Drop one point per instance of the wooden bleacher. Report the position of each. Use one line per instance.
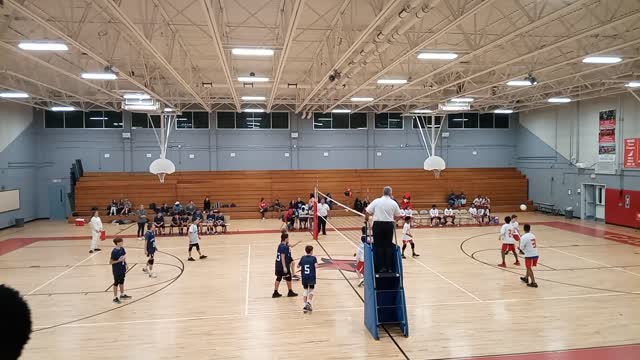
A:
(506, 187)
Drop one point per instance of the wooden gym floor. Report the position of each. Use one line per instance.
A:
(460, 304)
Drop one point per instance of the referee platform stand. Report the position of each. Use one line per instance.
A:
(385, 302)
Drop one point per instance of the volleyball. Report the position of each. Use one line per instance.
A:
(523, 207)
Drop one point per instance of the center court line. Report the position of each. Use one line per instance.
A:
(246, 294)
(596, 262)
(62, 273)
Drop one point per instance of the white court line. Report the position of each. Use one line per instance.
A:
(246, 294)
(595, 262)
(62, 273)
(447, 280)
(329, 310)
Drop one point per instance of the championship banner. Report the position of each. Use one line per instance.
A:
(607, 141)
(632, 153)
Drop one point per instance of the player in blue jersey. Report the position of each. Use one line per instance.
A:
(150, 249)
(307, 266)
(118, 263)
(283, 266)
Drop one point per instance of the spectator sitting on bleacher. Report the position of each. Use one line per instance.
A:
(289, 218)
(477, 201)
(487, 215)
(452, 199)
(190, 208)
(299, 204)
(211, 219)
(263, 207)
(126, 207)
(175, 223)
(462, 199)
(434, 213)
(177, 208)
(473, 212)
(329, 201)
(481, 214)
(303, 216)
(357, 205)
(448, 214)
(184, 223)
(221, 223)
(406, 202)
(164, 209)
(486, 202)
(159, 221)
(113, 208)
(197, 215)
(277, 206)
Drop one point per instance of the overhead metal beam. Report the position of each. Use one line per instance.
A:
(454, 23)
(35, 96)
(25, 103)
(124, 19)
(296, 13)
(57, 69)
(345, 56)
(14, 74)
(564, 42)
(47, 25)
(217, 40)
(498, 42)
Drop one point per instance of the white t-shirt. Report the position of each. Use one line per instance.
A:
(516, 228)
(406, 232)
(473, 211)
(528, 245)
(481, 212)
(323, 210)
(506, 232)
(384, 209)
(360, 254)
(434, 212)
(193, 234)
(96, 224)
(448, 212)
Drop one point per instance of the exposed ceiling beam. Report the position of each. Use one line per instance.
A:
(481, 4)
(296, 13)
(566, 41)
(35, 96)
(498, 42)
(133, 29)
(217, 40)
(14, 74)
(53, 29)
(345, 56)
(574, 100)
(57, 69)
(33, 104)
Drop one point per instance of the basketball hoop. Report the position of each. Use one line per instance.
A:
(430, 138)
(435, 164)
(163, 166)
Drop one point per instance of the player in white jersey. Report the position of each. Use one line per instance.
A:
(508, 242)
(516, 230)
(531, 255)
(407, 236)
(360, 256)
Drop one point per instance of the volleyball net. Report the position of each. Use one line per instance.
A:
(342, 219)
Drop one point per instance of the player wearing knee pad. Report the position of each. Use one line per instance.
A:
(308, 265)
(150, 248)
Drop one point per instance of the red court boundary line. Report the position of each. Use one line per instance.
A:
(617, 352)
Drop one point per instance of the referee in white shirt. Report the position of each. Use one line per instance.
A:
(385, 212)
(323, 212)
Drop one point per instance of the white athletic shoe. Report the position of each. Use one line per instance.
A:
(144, 270)
(153, 275)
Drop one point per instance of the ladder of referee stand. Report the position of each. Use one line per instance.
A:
(384, 302)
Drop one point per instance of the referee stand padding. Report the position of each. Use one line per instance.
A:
(384, 302)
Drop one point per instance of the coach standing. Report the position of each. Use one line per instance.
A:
(385, 212)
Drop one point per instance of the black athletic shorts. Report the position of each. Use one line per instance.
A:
(308, 286)
(196, 245)
(281, 275)
(118, 279)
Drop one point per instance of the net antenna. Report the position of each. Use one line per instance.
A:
(429, 138)
(163, 166)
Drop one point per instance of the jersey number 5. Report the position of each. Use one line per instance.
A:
(306, 269)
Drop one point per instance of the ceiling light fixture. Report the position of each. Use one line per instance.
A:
(437, 56)
(254, 110)
(340, 111)
(361, 99)
(63, 108)
(253, 98)
(252, 52)
(503, 111)
(462, 99)
(392, 81)
(14, 95)
(422, 111)
(140, 107)
(98, 118)
(250, 79)
(139, 96)
(43, 46)
(99, 76)
(633, 84)
(602, 60)
(519, 83)
(559, 100)
(454, 108)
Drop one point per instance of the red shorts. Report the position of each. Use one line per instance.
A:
(508, 247)
(531, 261)
(406, 241)
(360, 267)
